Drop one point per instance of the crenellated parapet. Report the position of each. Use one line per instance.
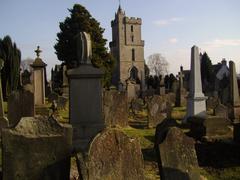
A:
(133, 20)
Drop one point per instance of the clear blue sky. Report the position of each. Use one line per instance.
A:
(169, 27)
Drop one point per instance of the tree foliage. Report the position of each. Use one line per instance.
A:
(157, 64)
(10, 74)
(206, 68)
(66, 47)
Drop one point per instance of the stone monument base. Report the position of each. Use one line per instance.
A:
(234, 114)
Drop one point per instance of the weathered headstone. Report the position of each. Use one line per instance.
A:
(131, 90)
(62, 102)
(234, 94)
(3, 120)
(212, 102)
(162, 87)
(85, 98)
(20, 104)
(181, 92)
(178, 159)
(196, 103)
(113, 156)
(39, 79)
(115, 106)
(221, 110)
(53, 97)
(157, 110)
(37, 148)
(65, 84)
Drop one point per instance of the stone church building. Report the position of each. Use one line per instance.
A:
(127, 48)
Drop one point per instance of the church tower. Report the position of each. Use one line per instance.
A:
(127, 48)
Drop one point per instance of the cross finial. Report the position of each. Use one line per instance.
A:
(38, 51)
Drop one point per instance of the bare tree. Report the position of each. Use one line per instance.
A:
(157, 64)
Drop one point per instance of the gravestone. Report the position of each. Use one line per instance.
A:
(162, 87)
(39, 79)
(178, 159)
(196, 102)
(37, 148)
(221, 110)
(85, 107)
(20, 104)
(26, 77)
(157, 110)
(113, 156)
(181, 92)
(62, 102)
(131, 90)
(53, 97)
(65, 84)
(212, 102)
(3, 120)
(115, 106)
(234, 94)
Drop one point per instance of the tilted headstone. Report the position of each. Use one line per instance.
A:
(113, 156)
(196, 102)
(39, 79)
(85, 107)
(37, 148)
(115, 107)
(178, 159)
(20, 104)
(3, 120)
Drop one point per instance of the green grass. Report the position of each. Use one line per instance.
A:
(232, 173)
(146, 136)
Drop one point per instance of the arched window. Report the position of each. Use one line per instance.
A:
(133, 54)
(134, 73)
(132, 38)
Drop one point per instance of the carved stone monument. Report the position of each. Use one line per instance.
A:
(39, 79)
(234, 94)
(85, 96)
(196, 103)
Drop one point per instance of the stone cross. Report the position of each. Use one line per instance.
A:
(180, 76)
(38, 51)
(196, 105)
(84, 48)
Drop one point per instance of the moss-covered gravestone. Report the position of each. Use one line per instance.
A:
(37, 148)
(113, 156)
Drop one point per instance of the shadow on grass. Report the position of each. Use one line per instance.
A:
(149, 154)
(218, 154)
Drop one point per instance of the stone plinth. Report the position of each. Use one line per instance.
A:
(37, 148)
(85, 104)
(196, 103)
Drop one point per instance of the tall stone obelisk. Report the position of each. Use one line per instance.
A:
(234, 94)
(196, 104)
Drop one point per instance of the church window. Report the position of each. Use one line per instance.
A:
(132, 38)
(131, 28)
(133, 54)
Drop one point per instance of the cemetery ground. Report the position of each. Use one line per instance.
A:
(217, 159)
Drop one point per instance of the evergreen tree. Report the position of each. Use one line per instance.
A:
(10, 74)
(206, 68)
(66, 47)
